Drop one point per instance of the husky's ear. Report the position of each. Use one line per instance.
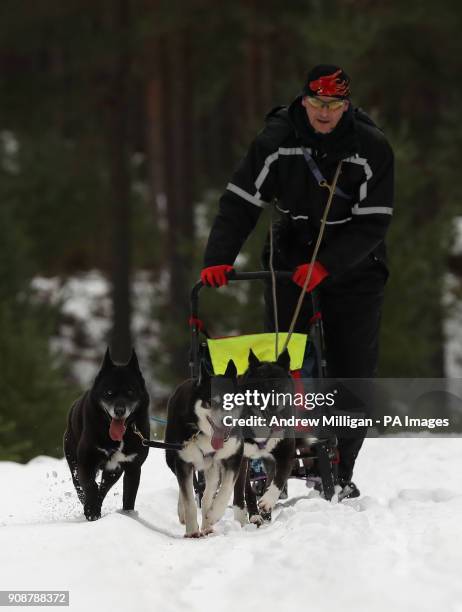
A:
(231, 370)
(134, 365)
(254, 362)
(284, 360)
(133, 362)
(107, 361)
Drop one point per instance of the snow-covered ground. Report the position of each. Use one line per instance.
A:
(396, 548)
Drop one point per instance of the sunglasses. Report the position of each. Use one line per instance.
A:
(330, 105)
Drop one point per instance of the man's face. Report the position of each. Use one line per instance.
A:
(322, 118)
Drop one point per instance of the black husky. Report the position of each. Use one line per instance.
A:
(101, 435)
(195, 419)
(269, 442)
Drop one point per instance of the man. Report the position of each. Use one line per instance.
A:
(298, 150)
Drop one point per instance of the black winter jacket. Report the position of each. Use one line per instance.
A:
(275, 170)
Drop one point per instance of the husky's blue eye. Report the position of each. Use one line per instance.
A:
(108, 392)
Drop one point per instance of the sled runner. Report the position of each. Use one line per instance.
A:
(316, 457)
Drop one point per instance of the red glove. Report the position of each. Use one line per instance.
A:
(215, 276)
(301, 272)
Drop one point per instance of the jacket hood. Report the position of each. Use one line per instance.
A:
(339, 143)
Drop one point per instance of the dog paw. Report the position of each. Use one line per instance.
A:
(207, 531)
(265, 505)
(131, 512)
(267, 502)
(92, 513)
(194, 534)
(207, 525)
(256, 519)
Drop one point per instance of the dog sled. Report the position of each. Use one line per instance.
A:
(316, 458)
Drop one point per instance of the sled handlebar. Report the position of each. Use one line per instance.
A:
(237, 276)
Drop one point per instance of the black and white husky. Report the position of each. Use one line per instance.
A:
(195, 419)
(267, 443)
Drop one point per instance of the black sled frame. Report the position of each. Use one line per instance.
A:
(315, 464)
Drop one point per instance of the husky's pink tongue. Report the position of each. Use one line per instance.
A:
(218, 435)
(217, 439)
(117, 429)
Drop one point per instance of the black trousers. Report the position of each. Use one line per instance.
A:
(351, 308)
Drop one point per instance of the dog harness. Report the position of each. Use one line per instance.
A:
(154, 443)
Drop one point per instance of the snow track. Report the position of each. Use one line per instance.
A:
(396, 548)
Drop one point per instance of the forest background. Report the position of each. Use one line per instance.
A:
(120, 124)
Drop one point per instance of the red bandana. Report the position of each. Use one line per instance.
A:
(330, 85)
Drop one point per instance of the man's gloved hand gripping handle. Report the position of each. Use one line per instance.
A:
(318, 274)
(216, 276)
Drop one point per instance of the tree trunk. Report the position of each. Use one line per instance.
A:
(121, 341)
(171, 161)
(155, 153)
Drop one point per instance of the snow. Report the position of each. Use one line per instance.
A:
(85, 318)
(453, 304)
(398, 547)
(457, 246)
(9, 150)
(453, 330)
